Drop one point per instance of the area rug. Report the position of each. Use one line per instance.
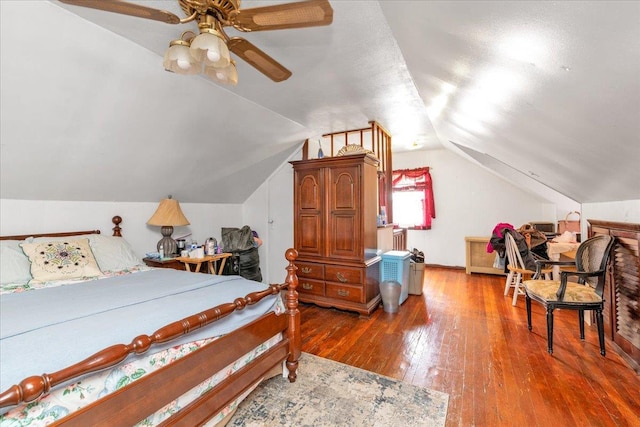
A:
(329, 393)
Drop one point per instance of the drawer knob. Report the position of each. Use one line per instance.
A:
(306, 270)
(307, 286)
(343, 293)
(341, 277)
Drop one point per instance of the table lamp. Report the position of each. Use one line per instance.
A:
(167, 216)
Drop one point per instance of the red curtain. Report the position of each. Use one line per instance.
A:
(417, 179)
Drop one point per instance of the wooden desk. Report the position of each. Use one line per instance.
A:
(209, 260)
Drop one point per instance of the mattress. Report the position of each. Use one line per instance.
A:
(66, 324)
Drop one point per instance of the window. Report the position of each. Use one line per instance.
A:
(413, 204)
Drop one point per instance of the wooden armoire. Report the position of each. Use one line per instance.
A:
(335, 231)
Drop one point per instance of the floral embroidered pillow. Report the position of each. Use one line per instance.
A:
(61, 260)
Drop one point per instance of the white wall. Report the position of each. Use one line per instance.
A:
(269, 211)
(27, 216)
(469, 201)
(624, 211)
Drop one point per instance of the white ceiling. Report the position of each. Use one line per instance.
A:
(551, 89)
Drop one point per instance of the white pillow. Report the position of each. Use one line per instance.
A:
(111, 253)
(14, 264)
(61, 259)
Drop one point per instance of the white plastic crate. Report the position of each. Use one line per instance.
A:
(395, 266)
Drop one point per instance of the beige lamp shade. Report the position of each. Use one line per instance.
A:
(167, 216)
(168, 213)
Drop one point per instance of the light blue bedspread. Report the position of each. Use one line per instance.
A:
(49, 329)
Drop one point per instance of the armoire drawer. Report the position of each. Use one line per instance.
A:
(344, 292)
(310, 286)
(341, 274)
(310, 270)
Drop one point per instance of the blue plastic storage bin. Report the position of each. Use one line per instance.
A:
(395, 266)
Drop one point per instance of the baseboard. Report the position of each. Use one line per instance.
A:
(450, 267)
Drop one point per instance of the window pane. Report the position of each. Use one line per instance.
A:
(408, 208)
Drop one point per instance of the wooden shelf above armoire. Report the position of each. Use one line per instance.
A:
(375, 139)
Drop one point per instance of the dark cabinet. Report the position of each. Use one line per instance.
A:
(335, 231)
(622, 288)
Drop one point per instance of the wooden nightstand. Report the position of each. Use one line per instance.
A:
(164, 263)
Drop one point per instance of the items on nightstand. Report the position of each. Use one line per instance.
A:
(211, 246)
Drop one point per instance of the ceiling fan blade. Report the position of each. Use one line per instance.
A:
(302, 14)
(258, 59)
(122, 7)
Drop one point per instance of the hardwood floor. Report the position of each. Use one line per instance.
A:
(462, 336)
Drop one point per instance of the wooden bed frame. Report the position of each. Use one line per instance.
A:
(143, 397)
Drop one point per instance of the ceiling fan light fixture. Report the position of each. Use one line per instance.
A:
(227, 75)
(178, 58)
(209, 47)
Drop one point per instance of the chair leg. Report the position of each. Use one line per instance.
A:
(581, 322)
(600, 322)
(528, 304)
(516, 288)
(550, 330)
(507, 284)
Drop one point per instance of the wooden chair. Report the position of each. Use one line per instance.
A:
(517, 269)
(586, 294)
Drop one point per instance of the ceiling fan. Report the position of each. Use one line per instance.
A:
(208, 52)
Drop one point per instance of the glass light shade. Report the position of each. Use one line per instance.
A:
(209, 47)
(227, 75)
(178, 59)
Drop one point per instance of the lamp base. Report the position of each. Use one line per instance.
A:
(169, 246)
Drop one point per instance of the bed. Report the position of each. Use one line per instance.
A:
(215, 337)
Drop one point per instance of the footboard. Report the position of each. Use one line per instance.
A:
(143, 397)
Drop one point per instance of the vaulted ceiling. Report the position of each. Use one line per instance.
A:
(550, 89)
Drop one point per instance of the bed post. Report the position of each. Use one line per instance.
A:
(116, 230)
(293, 331)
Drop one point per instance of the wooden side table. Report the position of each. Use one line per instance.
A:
(209, 260)
(164, 263)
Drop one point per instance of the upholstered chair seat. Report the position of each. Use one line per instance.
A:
(574, 293)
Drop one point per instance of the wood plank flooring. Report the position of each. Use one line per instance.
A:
(462, 336)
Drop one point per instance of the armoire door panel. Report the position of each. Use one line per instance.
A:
(310, 193)
(345, 239)
(344, 190)
(308, 236)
